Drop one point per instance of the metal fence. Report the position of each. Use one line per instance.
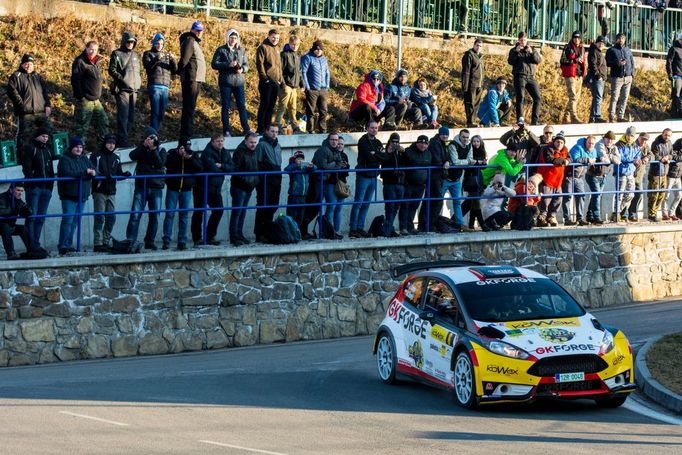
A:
(650, 26)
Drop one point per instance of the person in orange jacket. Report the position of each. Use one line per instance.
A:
(557, 155)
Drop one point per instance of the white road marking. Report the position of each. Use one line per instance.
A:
(240, 447)
(635, 405)
(83, 416)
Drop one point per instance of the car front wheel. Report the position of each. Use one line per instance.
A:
(386, 358)
(465, 385)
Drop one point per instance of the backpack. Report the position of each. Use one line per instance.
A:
(288, 231)
(445, 225)
(524, 217)
(125, 247)
(376, 229)
(326, 229)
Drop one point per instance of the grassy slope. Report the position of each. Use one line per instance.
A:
(56, 42)
(664, 360)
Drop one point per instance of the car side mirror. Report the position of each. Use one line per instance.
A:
(426, 315)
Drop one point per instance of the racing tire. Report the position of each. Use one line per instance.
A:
(464, 391)
(387, 359)
(610, 402)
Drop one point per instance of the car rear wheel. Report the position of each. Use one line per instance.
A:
(465, 383)
(386, 358)
(611, 402)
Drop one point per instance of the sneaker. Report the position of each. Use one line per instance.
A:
(413, 231)
(308, 236)
(674, 218)
(393, 234)
(244, 240)
(151, 246)
(653, 219)
(583, 223)
(353, 235)
(633, 219)
(338, 236)
(404, 232)
(182, 246)
(101, 249)
(166, 245)
(236, 242)
(552, 221)
(665, 217)
(213, 242)
(541, 222)
(597, 222)
(363, 233)
(570, 223)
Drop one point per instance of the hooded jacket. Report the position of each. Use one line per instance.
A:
(71, 165)
(487, 111)
(176, 164)
(552, 176)
(524, 140)
(414, 158)
(124, 66)
(86, 77)
(244, 161)
(458, 155)
(327, 159)
(628, 152)
(36, 162)
(315, 72)
(268, 62)
(149, 162)
(570, 66)
(107, 164)
(228, 76)
(368, 93)
(395, 91)
(579, 154)
(192, 64)
(673, 60)
(613, 57)
(473, 73)
(675, 169)
(299, 180)
(28, 93)
(661, 149)
(209, 160)
(269, 155)
(159, 65)
(596, 63)
(501, 161)
(606, 155)
(291, 67)
(524, 63)
(12, 206)
(419, 96)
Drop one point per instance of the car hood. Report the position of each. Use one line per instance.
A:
(549, 337)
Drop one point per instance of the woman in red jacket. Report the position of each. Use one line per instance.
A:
(557, 155)
(573, 68)
(369, 103)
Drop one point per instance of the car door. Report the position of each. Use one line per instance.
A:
(408, 327)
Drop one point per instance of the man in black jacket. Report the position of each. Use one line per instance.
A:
(28, 92)
(524, 61)
(181, 161)
(192, 71)
(596, 75)
(673, 66)
(365, 181)
(11, 208)
(124, 69)
(393, 179)
(416, 155)
(438, 146)
(621, 65)
(36, 163)
(86, 81)
(291, 75)
(160, 67)
(269, 156)
(151, 160)
(473, 75)
(107, 163)
(242, 186)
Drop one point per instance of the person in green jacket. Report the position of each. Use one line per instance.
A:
(504, 161)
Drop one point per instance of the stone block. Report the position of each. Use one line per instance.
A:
(4, 357)
(216, 339)
(19, 359)
(85, 325)
(51, 281)
(193, 340)
(119, 282)
(203, 322)
(245, 335)
(201, 300)
(39, 330)
(58, 310)
(23, 277)
(153, 344)
(28, 312)
(96, 347)
(125, 346)
(346, 313)
(65, 354)
(271, 332)
(72, 342)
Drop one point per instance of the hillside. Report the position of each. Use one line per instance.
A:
(56, 42)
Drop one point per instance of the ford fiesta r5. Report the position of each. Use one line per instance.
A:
(496, 334)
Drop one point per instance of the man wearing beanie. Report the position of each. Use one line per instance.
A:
(315, 75)
(86, 81)
(36, 163)
(629, 157)
(124, 69)
(192, 71)
(438, 149)
(231, 63)
(73, 193)
(28, 92)
(397, 95)
(416, 180)
(160, 67)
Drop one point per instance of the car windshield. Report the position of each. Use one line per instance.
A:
(517, 299)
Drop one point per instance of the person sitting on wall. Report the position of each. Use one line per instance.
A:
(11, 208)
(496, 106)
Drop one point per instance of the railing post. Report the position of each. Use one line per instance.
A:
(543, 36)
(79, 211)
(384, 26)
(208, 9)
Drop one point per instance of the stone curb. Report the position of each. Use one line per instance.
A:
(651, 387)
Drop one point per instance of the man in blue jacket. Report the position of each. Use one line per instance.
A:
(496, 106)
(628, 159)
(583, 154)
(621, 68)
(315, 74)
(397, 94)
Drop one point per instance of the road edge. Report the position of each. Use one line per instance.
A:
(650, 387)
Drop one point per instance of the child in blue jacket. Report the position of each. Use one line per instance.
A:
(496, 106)
(299, 181)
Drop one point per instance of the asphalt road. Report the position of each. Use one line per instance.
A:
(314, 397)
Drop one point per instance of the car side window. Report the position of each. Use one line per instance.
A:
(413, 291)
(441, 299)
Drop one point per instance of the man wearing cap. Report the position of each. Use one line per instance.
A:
(231, 62)
(160, 66)
(124, 69)
(192, 71)
(646, 155)
(28, 92)
(524, 61)
(315, 75)
(397, 95)
(629, 157)
(13, 207)
(662, 150)
(86, 81)
(73, 192)
(473, 75)
(573, 68)
(596, 174)
(496, 106)
(416, 155)
(438, 148)
(36, 163)
(673, 67)
(622, 67)
(596, 76)
(555, 154)
(522, 137)
(269, 67)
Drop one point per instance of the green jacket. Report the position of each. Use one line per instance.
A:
(503, 163)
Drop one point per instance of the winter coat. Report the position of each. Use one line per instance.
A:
(420, 97)
(414, 158)
(86, 77)
(124, 66)
(269, 154)
(327, 159)
(521, 188)
(439, 155)
(487, 111)
(675, 169)
(108, 165)
(646, 155)
(192, 64)
(269, 63)
(473, 73)
(627, 153)
(579, 154)
(12, 206)
(299, 180)
(160, 67)
(36, 162)
(390, 166)
(501, 162)
(176, 164)
(315, 72)
(524, 63)
(458, 155)
(552, 176)
(524, 140)
(605, 155)
(613, 57)
(28, 93)
(71, 165)
(368, 148)
(245, 161)
(367, 93)
(149, 162)
(492, 205)
(660, 149)
(395, 91)
(570, 67)
(228, 75)
(596, 63)
(291, 67)
(210, 157)
(673, 61)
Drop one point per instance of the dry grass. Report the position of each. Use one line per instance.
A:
(56, 42)
(664, 360)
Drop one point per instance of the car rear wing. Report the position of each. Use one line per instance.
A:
(419, 266)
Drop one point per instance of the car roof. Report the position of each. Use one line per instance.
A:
(472, 274)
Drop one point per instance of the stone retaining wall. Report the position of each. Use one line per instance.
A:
(103, 306)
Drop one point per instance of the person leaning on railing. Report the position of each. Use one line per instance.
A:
(419, 154)
(430, 210)
(674, 184)
(645, 156)
(393, 180)
(269, 155)
(583, 153)
(629, 157)
(460, 154)
(596, 175)
(369, 146)
(662, 149)
(557, 155)
(327, 158)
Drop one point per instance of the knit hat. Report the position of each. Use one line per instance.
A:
(394, 137)
(75, 142)
(559, 137)
(40, 131)
(600, 39)
(610, 135)
(110, 139)
(299, 154)
(500, 80)
(444, 131)
(27, 58)
(575, 34)
(149, 131)
(401, 72)
(631, 131)
(198, 26)
(158, 37)
(422, 139)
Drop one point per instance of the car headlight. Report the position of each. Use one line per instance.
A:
(606, 343)
(505, 349)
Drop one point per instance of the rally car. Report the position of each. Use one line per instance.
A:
(496, 334)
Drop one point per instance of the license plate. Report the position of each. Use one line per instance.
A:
(569, 377)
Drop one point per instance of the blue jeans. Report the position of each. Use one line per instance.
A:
(239, 100)
(158, 100)
(365, 187)
(150, 197)
(38, 200)
(392, 192)
(173, 198)
(596, 185)
(597, 89)
(455, 189)
(429, 111)
(240, 198)
(573, 185)
(333, 211)
(69, 223)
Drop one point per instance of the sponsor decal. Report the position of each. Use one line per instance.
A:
(573, 322)
(618, 360)
(429, 364)
(439, 374)
(505, 281)
(489, 387)
(559, 348)
(556, 335)
(514, 333)
(442, 350)
(417, 354)
(502, 370)
(443, 335)
(407, 319)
